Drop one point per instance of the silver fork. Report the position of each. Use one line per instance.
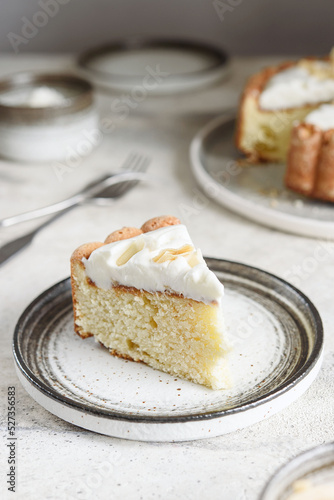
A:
(113, 186)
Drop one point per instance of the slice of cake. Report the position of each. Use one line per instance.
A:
(147, 295)
(310, 163)
(277, 97)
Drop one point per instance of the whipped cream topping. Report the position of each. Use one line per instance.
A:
(157, 261)
(38, 97)
(299, 85)
(323, 117)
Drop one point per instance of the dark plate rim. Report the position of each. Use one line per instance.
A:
(85, 58)
(111, 415)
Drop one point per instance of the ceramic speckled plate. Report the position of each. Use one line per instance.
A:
(254, 191)
(277, 338)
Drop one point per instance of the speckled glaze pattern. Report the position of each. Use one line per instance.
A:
(276, 335)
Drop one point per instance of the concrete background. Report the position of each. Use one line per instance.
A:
(244, 27)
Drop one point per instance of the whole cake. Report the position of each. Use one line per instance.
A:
(274, 99)
(310, 163)
(147, 295)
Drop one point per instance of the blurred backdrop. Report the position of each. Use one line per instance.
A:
(244, 27)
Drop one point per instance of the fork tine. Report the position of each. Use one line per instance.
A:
(131, 158)
(136, 163)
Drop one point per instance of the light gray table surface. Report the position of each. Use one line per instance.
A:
(59, 461)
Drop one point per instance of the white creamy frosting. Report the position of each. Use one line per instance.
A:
(187, 274)
(295, 87)
(323, 117)
(38, 97)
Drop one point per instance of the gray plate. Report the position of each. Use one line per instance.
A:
(277, 338)
(128, 65)
(254, 191)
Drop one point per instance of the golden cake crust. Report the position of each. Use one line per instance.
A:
(83, 251)
(310, 164)
(113, 352)
(123, 234)
(324, 182)
(158, 222)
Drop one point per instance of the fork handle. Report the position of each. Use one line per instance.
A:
(54, 208)
(14, 246)
(40, 212)
(89, 191)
